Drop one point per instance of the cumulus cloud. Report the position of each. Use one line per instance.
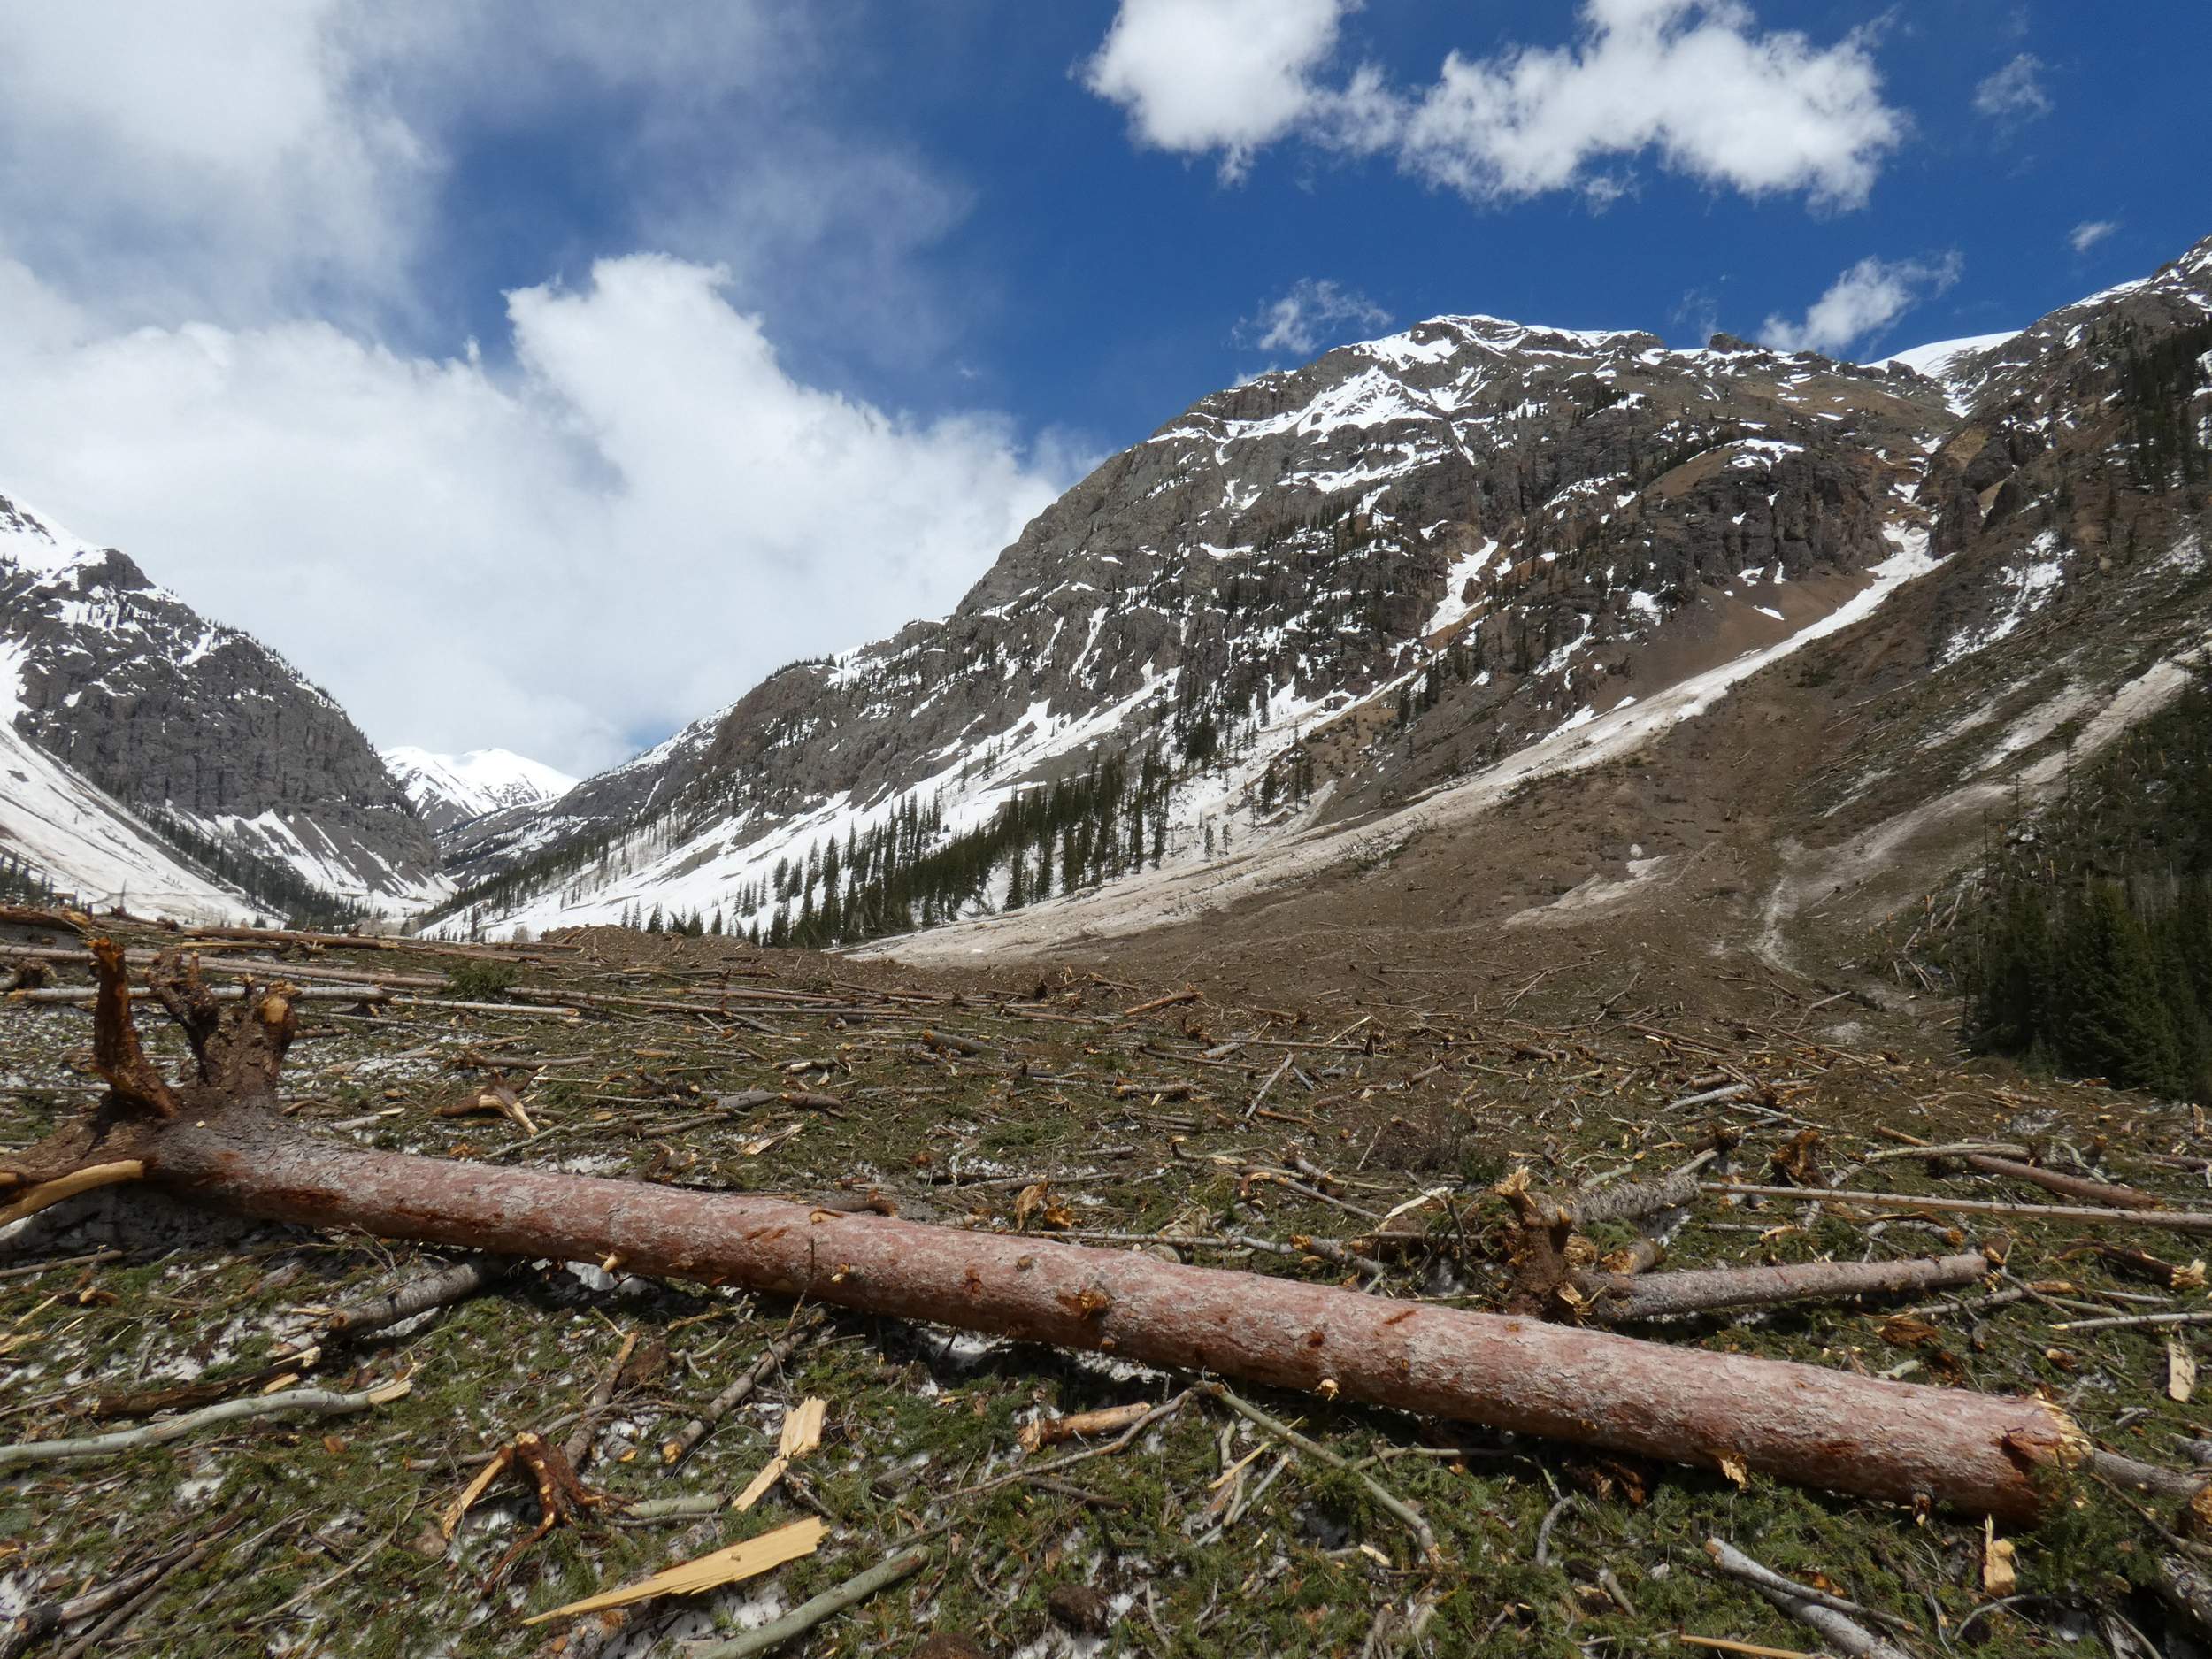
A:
(1697, 82)
(203, 156)
(1300, 319)
(2089, 233)
(230, 162)
(1761, 113)
(1201, 75)
(2015, 93)
(220, 252)
(1864, 300)
(624, 534)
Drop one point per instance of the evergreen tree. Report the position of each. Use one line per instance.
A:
(2115, 1024)
(2011, 1010)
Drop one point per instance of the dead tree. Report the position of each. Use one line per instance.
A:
(220, 1141)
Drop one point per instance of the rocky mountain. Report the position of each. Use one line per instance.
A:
(450, 790)
(1420, 569)
(200, 741)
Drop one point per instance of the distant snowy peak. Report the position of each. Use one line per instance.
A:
(31, 542)
(451, 789)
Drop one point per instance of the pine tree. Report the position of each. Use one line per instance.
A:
(2115, 1024)
(2011, 1010)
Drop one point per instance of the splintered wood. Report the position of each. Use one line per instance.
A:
(733, 1564)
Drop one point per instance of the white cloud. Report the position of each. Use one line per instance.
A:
(1691, 79)
(2089, 233)
(1302, 318)
(216, 220)
(626, 533)
(232, 161)
(1199, 76)
(2015, 93)
(1696, 81)
(197, 156)
(1865, 299)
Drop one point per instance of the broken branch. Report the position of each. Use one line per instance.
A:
(1655, 1295)
(828, 1605)
(2172, 1221)
(293, 1402)
(1807, 1606)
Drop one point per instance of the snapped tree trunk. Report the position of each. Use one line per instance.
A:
(220, 1142)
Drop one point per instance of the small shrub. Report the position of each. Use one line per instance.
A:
(482, 981)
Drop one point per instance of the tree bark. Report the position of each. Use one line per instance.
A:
(220, 1142)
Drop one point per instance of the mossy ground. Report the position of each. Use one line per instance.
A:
(334, 1550)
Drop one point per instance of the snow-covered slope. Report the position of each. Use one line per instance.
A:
(1951, 363)
(1415, 565)
(1936, 359)
(448, 790)
(1303, 598)
(211, 741)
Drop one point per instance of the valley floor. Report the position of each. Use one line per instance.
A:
(1298, 1093)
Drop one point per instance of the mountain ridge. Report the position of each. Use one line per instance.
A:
(450, 790)
(1438, 392)
(1390, 526)
(211, 743)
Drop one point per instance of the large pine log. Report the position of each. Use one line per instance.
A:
(221, 1143)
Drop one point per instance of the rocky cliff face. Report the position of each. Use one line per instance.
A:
(1314, 597)
(207, 735)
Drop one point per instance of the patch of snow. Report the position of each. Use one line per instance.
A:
(1452, 609)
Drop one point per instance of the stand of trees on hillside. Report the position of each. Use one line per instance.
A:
(283, 889)
(2092, 953)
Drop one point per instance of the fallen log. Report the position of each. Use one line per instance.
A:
(81, 996)
(2167, 1220)
(438, 1290)
(1710, 1290)
(221, 1141)
(2089, 1192)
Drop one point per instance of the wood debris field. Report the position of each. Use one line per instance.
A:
(225, 1434)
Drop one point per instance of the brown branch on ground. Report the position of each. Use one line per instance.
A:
(2090, 1191)
(1707, 1290)
(561, 1495)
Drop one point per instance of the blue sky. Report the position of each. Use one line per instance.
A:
(542, 375)
(1077, 278)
